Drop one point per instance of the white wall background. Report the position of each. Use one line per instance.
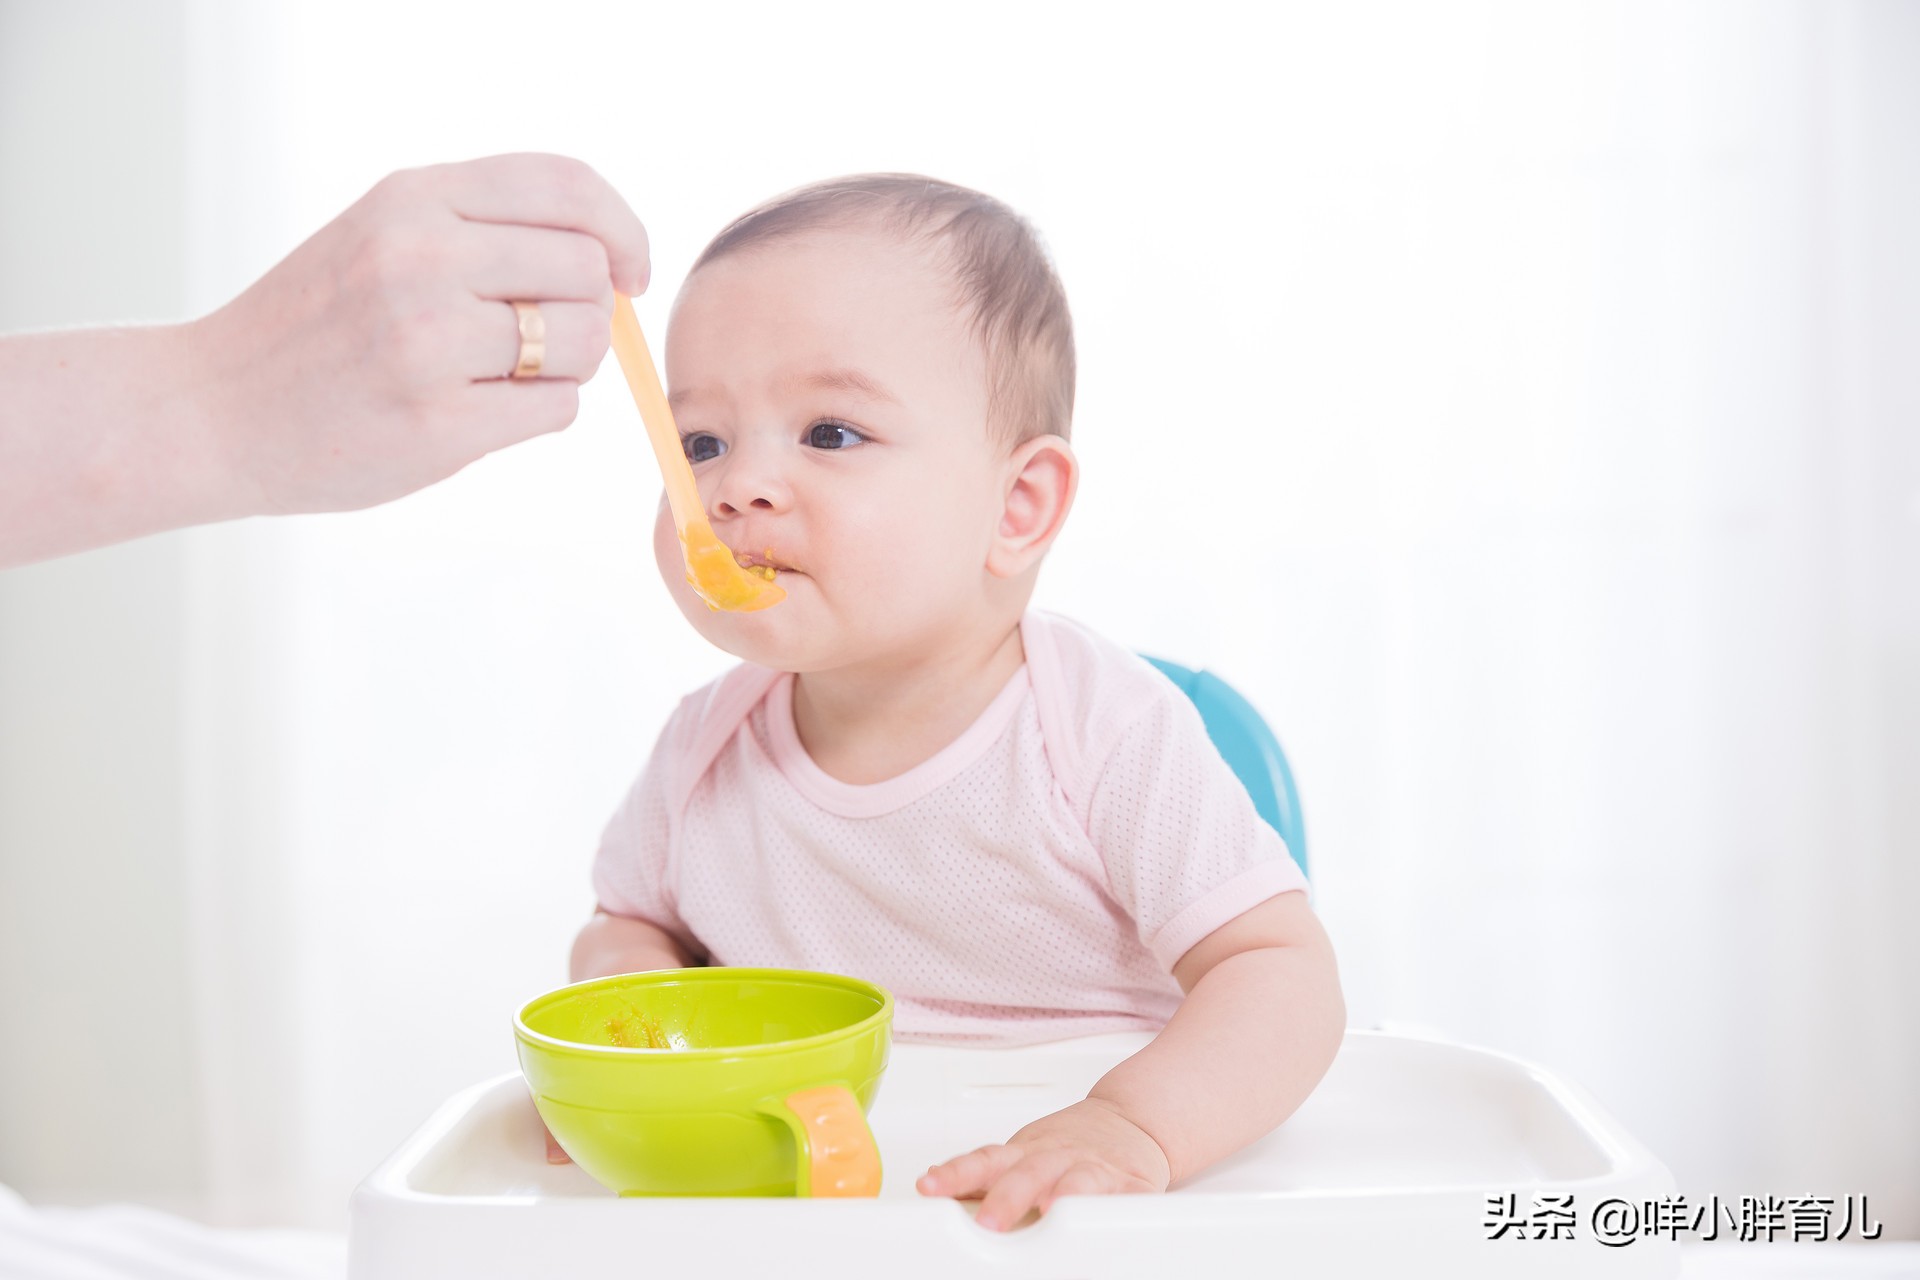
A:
(1550, 366)
(95, 1034)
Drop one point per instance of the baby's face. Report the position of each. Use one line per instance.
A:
(834, 407)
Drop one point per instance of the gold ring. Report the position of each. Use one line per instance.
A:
(533, 340)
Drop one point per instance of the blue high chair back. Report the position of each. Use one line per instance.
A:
(1250, 748)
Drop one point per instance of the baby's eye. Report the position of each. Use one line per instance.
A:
(702, 447)
(833, 435)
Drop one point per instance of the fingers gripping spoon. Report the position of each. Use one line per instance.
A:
(711, 569)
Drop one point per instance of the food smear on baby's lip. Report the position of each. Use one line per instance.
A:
(637, 1030)
(761, 568)
(719, 579)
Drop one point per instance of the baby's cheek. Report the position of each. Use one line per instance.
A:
(947, 556)
(904, 588)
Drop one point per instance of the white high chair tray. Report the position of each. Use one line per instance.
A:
(1386, 1170)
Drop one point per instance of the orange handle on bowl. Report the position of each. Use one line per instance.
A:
(838, 1156)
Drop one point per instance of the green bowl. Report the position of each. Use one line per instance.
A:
(712, 1082)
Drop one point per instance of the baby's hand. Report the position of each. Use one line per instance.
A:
(1087, 1149)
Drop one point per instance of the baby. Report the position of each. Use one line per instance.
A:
(1017, 827)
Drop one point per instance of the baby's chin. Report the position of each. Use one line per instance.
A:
(775, 637)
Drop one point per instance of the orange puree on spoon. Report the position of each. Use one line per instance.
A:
(712, 570)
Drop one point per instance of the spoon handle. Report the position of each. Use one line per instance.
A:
(630, 348)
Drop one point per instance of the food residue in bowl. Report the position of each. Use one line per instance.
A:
(636, 1029)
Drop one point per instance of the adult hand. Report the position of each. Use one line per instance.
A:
(370, 362)
(373, 360)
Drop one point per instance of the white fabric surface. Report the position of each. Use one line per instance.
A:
(131, 1242)
(1883, 1261)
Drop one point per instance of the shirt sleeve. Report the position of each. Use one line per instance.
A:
(1184, 848)
(632, 872)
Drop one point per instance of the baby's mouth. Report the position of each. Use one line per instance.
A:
(762, 563)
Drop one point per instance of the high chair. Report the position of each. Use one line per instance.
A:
(1250, 749)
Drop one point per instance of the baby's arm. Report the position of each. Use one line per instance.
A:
(621, 944)
(1260, 1025)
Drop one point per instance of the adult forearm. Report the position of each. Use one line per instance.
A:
(368, 363)
(620, 944)
(1249, 1043)
(106, 434)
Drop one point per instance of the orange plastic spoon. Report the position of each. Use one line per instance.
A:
(711, 569)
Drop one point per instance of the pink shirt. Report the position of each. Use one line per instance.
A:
(1036, 879)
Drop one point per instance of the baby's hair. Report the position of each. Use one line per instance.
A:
(1016, 303)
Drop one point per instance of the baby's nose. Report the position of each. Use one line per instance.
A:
(749, 485)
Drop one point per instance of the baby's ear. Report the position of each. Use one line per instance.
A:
(1041, 477)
